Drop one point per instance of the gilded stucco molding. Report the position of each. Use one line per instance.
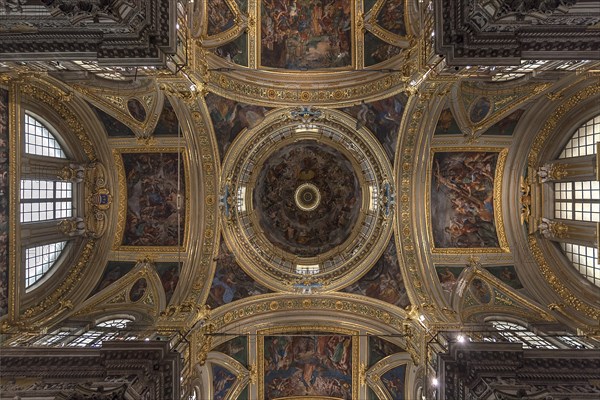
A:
(396, 320)
(403, 171)
(569, 297)
(273, 266)
(122, 199)
(310, 329)
(497, 193)
(57, 302)
(534, 160)
(58, 100)
(116, 297)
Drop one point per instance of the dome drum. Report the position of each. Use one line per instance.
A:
(309, 200)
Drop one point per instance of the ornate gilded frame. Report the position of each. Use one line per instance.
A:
(308, 330)
(498, 218)
(122, 206)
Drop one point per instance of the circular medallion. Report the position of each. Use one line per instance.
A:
(307, 198)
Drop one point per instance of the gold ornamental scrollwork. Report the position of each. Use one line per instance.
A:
(272, 265)
(547, 131)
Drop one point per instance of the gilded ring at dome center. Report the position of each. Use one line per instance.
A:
(307, 197)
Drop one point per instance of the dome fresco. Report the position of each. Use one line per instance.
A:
(301, 229)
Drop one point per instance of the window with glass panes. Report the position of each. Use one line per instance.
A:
(42, 200)
(39, 260)
(519, 334)
(577, 200)
(584, 259)
(39, 140)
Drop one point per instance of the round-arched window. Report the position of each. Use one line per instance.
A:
(44, 198)
(579, 199)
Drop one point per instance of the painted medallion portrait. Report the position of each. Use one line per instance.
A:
(306, 34)
(462, 199)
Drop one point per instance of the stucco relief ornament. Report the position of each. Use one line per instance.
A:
(551, 172)
(553, 229)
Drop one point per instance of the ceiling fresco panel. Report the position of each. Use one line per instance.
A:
(236, 51)
(394, 382)
(220, 16)
(306, 34)
(223, 381)
(391, 17)
(236, 348)
(462, 203)
(380, 348)
(168, 123)
(168, 272)
(152, 182)
(113, 271)
(377, 51)
(446, 124)
(507, 125)
(308, 365)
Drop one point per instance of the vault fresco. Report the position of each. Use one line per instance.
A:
(136, 109)
(376, 50)
(507, 274)
(229, 118)
(384, 281)
(235, 51)
(506, 125)
(480, 109)
(168, 272)
(230, 282)
(462, 200)
(383, 118)
(480, 291)
(113, 126)
(446, 124)
(308, 365)
(152, 199)
(4, 202)
(391, 17)
(223, 380)
(294, 229)
(394, 381)
(236, 348)
(167, 124)
(380, 348)
(448, 276)
(138, 290)
(220, 16)
(113, 271)
(306, 34)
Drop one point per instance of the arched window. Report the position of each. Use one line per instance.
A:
(39, 260)
(39, 140)
(578, 199)
(44, 198)
(106, 330)
(518, 334)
